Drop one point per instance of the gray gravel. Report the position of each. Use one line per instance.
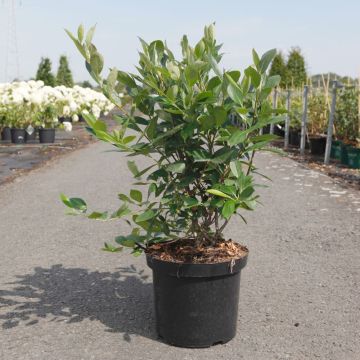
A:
(62, 298)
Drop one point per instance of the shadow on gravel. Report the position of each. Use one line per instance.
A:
(122, 300)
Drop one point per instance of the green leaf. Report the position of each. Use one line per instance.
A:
(191, 75)
(133, 168)
(228, 209)
(188, 130)
(213, 83)
(130, 240)
(112, 249)
(190, 202)
(81, 33)
(237, 137)
(218, 193)
(236, 169)
(272, 81)
(99, 125)
(136, 195)
(98, 215)
(214, 66)
(254, 75)
(220, 115)
(266, 59)
(256, 58)
(177, 167)
(90, 35)
(147, 215)
(77, 43)
(74, 203)
(172, 92)
(122, 211)
(96, 62)
(234, 90)
(235, 75)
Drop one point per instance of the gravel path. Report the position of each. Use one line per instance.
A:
(62, 298)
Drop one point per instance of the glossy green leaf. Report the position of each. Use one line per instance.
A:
(136, 195)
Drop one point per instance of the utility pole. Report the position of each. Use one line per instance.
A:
(12, 66)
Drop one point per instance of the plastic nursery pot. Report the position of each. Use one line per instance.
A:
(279, 130)
(317, 145)
(196, 305)
(30, 137)
(353, 157)
(47, 135)
(6, 134)
(335, 152)
(17, 136)
(294, 137)
(344, 154)
(65, 119)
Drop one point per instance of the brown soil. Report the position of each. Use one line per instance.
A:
(185, 251)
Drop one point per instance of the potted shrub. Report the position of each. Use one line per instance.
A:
(200, 175)
(318, 117)
(347, 125)
(47, 119)
(295, 121)
(4, 129)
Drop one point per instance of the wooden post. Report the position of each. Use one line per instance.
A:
(303, 120)
(330, 125)
(287, 120)
(274, 107)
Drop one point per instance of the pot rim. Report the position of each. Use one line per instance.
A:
(183, 270)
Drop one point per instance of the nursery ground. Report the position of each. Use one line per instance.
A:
(62, 298)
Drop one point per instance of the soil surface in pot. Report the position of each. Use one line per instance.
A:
(185, 251)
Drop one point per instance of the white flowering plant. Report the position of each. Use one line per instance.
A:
(31, 103)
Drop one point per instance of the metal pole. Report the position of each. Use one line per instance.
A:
(330, 124)
(274, 107)
(287, 120)
(303, 120)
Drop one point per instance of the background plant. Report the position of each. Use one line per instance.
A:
(44, 72)
(318, 113)
(347, 114)
(64, 75)
(200, 165)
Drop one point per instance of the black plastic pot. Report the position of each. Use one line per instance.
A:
(65, 119)
(294, 137)
(317, 145)
(196, 305)
(30, 138)
(279, 130)
(47, 135)
(18, 136)
(6, 134)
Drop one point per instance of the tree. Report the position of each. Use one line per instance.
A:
(86, 84)
(278, 67)
(64, 75)
(295, 68)
(44, 72)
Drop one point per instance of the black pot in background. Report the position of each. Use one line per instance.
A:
(17, 136)
(279, 131)
(30, 138)
(266, 129)
(47, 136)
(65, 119)
(6, 134)
(317, 145)
(294, 137)
(196, 305)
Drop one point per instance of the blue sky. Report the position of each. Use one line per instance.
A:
(328, 32)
